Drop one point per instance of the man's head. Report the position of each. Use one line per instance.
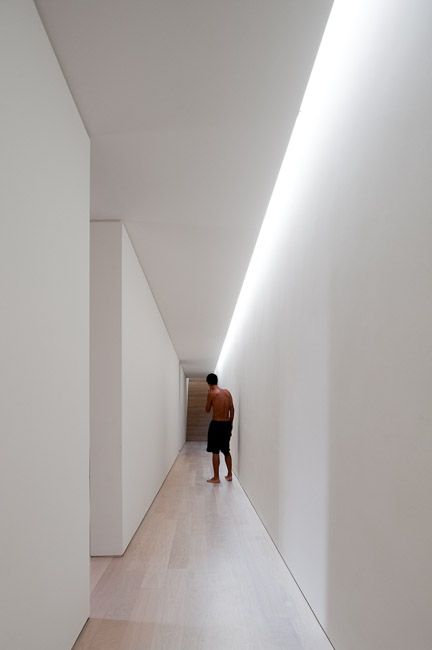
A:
(212, 379)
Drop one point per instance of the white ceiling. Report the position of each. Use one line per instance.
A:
(189, 105)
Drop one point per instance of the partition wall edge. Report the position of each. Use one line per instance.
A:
(137, 394)
(44, 343)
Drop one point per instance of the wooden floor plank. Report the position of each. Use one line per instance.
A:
(200, 574)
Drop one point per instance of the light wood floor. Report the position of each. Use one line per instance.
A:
(200, 574)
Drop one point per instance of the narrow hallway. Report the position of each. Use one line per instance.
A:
(200, 573)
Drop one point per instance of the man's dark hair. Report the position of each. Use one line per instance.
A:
(212, 379)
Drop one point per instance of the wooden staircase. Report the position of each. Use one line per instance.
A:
(197, 419)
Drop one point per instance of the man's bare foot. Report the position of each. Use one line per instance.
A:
(213, 480)
(228, 477)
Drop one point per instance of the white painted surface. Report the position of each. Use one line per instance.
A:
(106, 388)
(44, 276)
(153, 424)
(189, 105)
(329, 355)
(138, 393)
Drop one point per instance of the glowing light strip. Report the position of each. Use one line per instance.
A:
(344, 32)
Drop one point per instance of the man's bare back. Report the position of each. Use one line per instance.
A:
(220, 400)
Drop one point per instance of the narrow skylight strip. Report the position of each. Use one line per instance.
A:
(324, 95)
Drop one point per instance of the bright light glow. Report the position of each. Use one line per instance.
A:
(342, 51)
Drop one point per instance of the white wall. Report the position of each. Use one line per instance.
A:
(138, 392)
(44, 275)
(329, 353)
(152, 408)
(106, 388)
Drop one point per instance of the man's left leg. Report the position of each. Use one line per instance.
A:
(216, 463)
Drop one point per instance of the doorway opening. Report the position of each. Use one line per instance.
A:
(197, 419)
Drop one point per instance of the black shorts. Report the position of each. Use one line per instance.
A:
(219, 434)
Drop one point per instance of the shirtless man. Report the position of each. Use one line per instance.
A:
(219, 433)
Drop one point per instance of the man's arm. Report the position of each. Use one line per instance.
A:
(209, 402)
(231, 409)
